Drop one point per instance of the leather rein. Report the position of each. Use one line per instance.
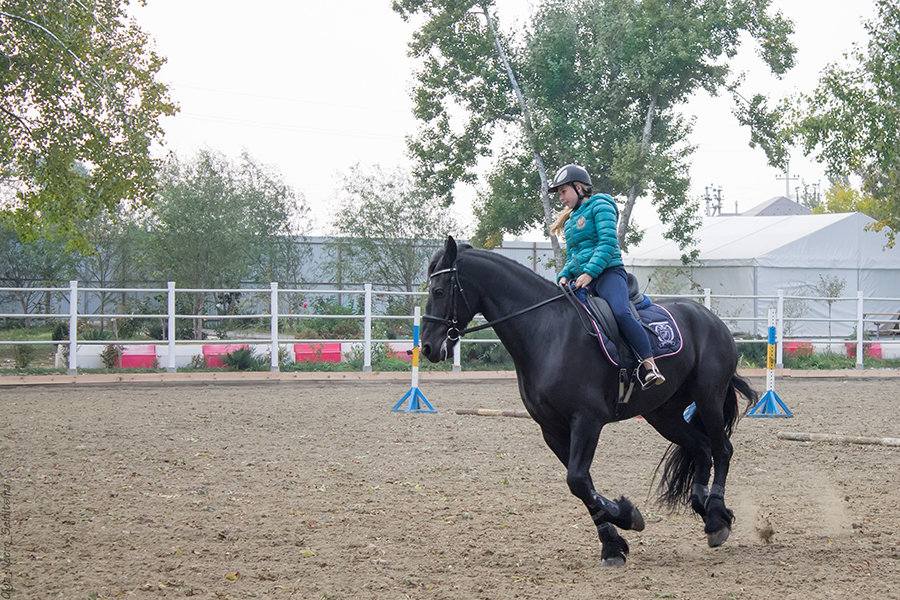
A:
(452, 321)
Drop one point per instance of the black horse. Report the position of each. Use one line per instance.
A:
(571, 389)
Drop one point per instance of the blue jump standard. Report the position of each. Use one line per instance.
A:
(770, 405)
(417, 402)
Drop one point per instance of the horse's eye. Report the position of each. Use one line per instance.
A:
(437, 292)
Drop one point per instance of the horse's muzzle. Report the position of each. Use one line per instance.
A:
(433, 352)
(428, 352)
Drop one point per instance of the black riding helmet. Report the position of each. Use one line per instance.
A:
(570, 174)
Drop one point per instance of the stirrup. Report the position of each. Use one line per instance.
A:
(652, 376)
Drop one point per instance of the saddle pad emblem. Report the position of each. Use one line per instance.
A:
(664, 333)
(580, 223)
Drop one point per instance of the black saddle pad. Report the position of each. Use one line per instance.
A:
(664, 334)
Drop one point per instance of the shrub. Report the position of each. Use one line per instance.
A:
(95, 335)
(827, 361)
(156, 330)
(197, 362)
(111, 356)
(381, 360)
(130, 328)
(60, 331)
(323, 327)
(240, 360)
(23, 355)
(490, 356)
(752, 354)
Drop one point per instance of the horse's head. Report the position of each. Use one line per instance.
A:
(447, 310)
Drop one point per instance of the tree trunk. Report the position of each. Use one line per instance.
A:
(625, 216)
(529, 133)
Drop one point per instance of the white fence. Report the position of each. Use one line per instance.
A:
(274, 304)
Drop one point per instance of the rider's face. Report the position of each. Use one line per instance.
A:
(568, 196)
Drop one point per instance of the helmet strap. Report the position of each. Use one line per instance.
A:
(578, 193)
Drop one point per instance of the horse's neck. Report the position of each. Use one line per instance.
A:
(501, 292)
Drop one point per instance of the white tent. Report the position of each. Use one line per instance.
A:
(825, 256)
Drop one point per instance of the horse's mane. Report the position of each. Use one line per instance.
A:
(507, 263)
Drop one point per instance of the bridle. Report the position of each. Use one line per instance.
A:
(452, 320)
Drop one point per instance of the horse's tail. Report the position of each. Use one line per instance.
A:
(676, 483)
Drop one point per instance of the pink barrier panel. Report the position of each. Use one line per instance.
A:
(138, 356)
(869, 350)
(213, 353)
(399, 352)
(799, 348)
(317, 352)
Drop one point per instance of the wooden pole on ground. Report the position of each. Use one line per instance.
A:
(492, 412)
(797, 436)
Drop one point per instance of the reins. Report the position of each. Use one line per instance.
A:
(453, 331)
(510, 316)
(569, 293)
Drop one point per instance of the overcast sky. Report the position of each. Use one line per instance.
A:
(315, 87)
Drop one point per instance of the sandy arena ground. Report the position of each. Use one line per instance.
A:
(317, 490)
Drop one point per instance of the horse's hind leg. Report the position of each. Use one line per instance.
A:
(704, 438)
(718, 517)
(690, 463)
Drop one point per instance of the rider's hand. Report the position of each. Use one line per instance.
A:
(563, 281)
(583, 280)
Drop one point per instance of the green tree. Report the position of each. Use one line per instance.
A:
(842, 197)
(851, 122)
(79, 109)
(391, 231)
(116, 257)
(829, 287)
(598, 83)
(32, 264)
(217, 224)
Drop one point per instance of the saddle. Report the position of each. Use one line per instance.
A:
(600, 311)
(663, 333)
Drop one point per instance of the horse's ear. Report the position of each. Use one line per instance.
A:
(450, 251)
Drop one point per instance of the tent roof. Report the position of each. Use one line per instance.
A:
(831, 240)
(776, 207)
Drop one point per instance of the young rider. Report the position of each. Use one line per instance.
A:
(593, 257)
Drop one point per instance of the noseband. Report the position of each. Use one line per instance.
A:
(452, 321)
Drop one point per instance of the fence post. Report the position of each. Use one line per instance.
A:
(170, 335)
(859, 329)
(274, 368)
(779, 330)
(367, 330)
(707, 298)
(73, 328)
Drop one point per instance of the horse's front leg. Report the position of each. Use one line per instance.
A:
(578, 455)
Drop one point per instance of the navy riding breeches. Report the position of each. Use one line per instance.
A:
(611, 285)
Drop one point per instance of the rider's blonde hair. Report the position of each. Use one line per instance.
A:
(557, 228)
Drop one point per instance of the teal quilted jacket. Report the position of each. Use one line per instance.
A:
(591, 242)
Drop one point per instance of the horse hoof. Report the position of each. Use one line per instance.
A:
(637, 520)
(613, 561)
(717, 538)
